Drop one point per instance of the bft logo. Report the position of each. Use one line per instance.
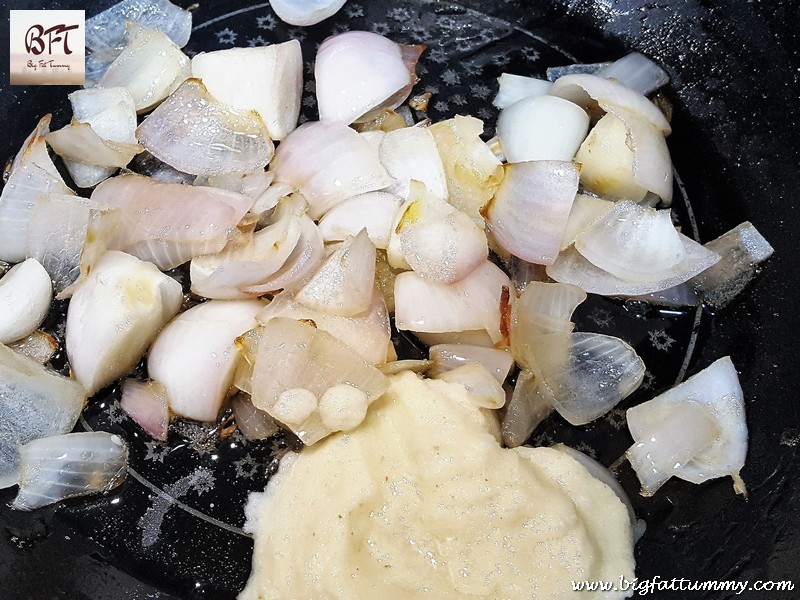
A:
(47, 47)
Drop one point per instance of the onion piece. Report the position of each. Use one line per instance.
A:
(296, 355)
(344, 282)
(253, 185)
(254, 423)
(168, 223)
(150, 67)
(264, 79)
(473, 171)
(373, 211)
(585, 212)
(398, 366)
(411, 154)
(17, 201)
(196, 134)
(484, 389)
(79, 142)
(513, 88)
(472, 303)
(572, 267)
(349, 165)
(438, 241)
(194, 357)
(542, 188)
(541, 128)
(65, 466)
(105, 32)
(555, 73)
(529, 405)
(37, 402)
(34, 150)
(637, 72)
(591, 92)
(61, 227)
(634, 243)
(367, 333)
(39, 346)
(358, 73)
(445, 357)
(588, 373)
(25, 297)
(113, 316)
(146, 403)
(717, 449)
(742, 249)
(305, 12)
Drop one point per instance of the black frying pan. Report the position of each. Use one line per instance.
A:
(735, 95)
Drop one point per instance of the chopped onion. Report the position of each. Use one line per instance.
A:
(637, 72)
(34, 151)
(329, 163)
(411, 153)
(473, 303)
(585, 212)
(146, 403)
(296, 355)
(195, 357)
(65, 466)
(700, 422)
(168, 223)
(541, 128)
(254, 423)
(253, 185)
(39, 346)
(344, 282)
(513, 88)
(484, 389)
(37, 402)
(196, 134)
(25, 297)
(555, 73)
(545, 189)
(264, 79)
(79, 142)
(589, 374)
(359, 73)
(373, 211)
(529, 405)
(398, 366)
(113, 316)
(305, 12)
(445, 357)
(150, 67)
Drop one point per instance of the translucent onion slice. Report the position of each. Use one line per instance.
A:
(717, 391)
(742, 249)
(585, 212)
(110, 111)
(25, 297)
(410, 154)
(625, 156)
(589, 374)
(264, 79)
(555, 73)
(373, 211)
(305, 12)
(445, 357)
(295, 355)
(513, 88)
(347, 167)
(358, 73)
(39, 346)
(484, 389)
(367, 333)
(34, 150)
(168, 224)
(591, 92)
(85, 175)
(146, 403)
(60, 229)
(150, 67)
(541, 128)
(426, 306)
(37, 402)
(113, 316)
(634, 243)
(195, 357)
(545, 189)
(529, 405)
(438, 241)
(637, 72)
(66, 466)
(17, 201)
(252, 185)
(572, 267)
(254, 423)
(344, 282)
(79, 142)
(196, 134)
(473, 171)
(105, 32)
